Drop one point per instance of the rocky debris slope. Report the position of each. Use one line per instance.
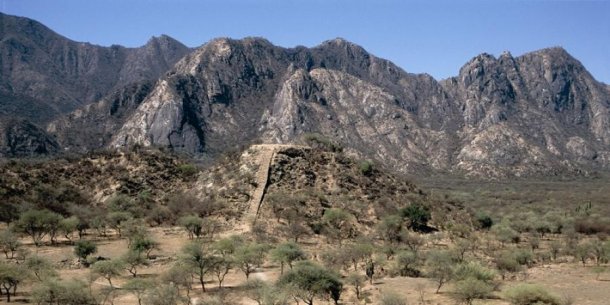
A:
(20, 138)
(98, 176)
(302, 182)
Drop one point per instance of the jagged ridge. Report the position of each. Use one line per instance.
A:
(539, 113)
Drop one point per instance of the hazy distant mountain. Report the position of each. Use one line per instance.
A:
(45, 75)
(540, 113)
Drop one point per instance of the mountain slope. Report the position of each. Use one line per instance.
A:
(40, 64)
(45, 75)
(540, 113)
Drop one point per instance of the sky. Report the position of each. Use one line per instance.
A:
(435, 37)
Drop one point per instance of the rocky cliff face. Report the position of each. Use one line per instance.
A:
(45, 75)
(540, 113)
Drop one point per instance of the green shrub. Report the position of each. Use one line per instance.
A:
(484, 221)
(187, 170)
(406, 261)
(473, 270)
(71, 292)
(314, 280)
(470, 289)
(320, 141)
(417, 214)
(84, 248)
(507, 263)
(505, 234)
(531, 294)
(591, 226)
(524, 257)
(393, 299)
(366, 167)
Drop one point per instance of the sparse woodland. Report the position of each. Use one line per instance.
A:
(330, 231)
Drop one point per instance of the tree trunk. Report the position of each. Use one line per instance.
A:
(8, 293)
(202, 282)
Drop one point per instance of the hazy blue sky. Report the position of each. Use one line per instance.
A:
(436, 37)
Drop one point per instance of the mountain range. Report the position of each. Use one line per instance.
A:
(541, 113)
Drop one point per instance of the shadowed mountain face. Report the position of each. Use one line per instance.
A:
(45, 75)
(540, 113)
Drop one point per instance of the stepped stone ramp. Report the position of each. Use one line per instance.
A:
(264, 157)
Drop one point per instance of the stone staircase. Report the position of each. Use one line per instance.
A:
(264, 159)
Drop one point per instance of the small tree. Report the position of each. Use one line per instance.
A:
(132, 261)
(40, 267)
(164, 294)
(100, 224)
(138, 287)
(53, 224)
(470, 289)
(418, 216)
(311, 281)
(108, 269)
(473, 281)
(542, 227)
(10, 278)
(116, 220)
(38, 223)
(390, 228)
(440, 267)
(506, 263)
(582, 252)
(265, 294)
(338, 225)
(181, 276)
(193, 225)
(198, 259)
(51, 292)
(359, 252)
(9, 243)
(505, 234)
(286, 253)
(227, 246)
(144, 245)
(221, 265)
(413, 240)
(555, 248)
(357, 281)
(599, 251)
(524, 257)
(84, 248)
(405, 263)
(249, 256)
(68, 226)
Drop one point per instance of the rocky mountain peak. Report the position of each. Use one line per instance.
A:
(541, 112)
